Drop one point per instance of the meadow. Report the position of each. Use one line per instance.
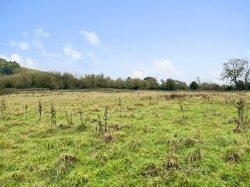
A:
(123, 138)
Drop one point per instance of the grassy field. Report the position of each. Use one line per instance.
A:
(152, 139)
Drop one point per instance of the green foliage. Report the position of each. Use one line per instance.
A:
(69, 81)
(8, 68)
(236, 71)
(151, 83)
(242, 115)
(193, 85)
(240, 85)
(209, 86)
(14, 76)
(171, 84)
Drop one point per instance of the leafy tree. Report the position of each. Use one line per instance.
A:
(235, 70)
(119, 83)
(21, 80)
(151, 82)
(8, 68)
(241, 85)
(180, 85)
(171, 84)
(209, 86)
(102, 82)
(45, 80)
(89, 81)
(193, 85)
(135, 83)
(69, 81)
(6, 82)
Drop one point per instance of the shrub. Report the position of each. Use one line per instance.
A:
(193, 85)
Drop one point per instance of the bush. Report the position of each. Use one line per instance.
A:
(193, 85)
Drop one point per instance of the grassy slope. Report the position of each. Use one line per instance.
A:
(156, 143)
(28, 70)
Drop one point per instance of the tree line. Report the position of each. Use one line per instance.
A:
(21, 78)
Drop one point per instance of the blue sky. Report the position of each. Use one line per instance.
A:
(180, 39)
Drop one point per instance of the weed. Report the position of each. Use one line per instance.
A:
(69, 119)
(189, 142)
(108, 137)
(233, 156)
(81, 118)
(53, 114)
(181, 107)
(151, 170)
(3, 108)
(26, 109)
(194, 155)
(65, 161)
(172, 162)
(101, 157)
(40, 110)
(105, 119)
(175, 144)
(101, 123)
(242, 117)
(120, 102)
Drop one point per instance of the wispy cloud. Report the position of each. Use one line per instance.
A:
(157, 69)
(41, 34)
(139, 74)
(93, 39)
(165, 66)
(71, 53)
(40, 46)
(25, 62)
(20, 44)
(24, 34)
(93, 58)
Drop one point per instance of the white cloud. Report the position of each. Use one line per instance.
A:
(165, 66)
(157, 69)
(4, 57)
(40, 46)
(20, 44)
(25, 62)
(71, 53)
(41, 34)
(139, 74)
(93, 39)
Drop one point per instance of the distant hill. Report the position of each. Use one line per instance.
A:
(12, 75)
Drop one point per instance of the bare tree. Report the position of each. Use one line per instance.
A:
(236, 70)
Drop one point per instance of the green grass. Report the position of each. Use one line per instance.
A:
(150, 140)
